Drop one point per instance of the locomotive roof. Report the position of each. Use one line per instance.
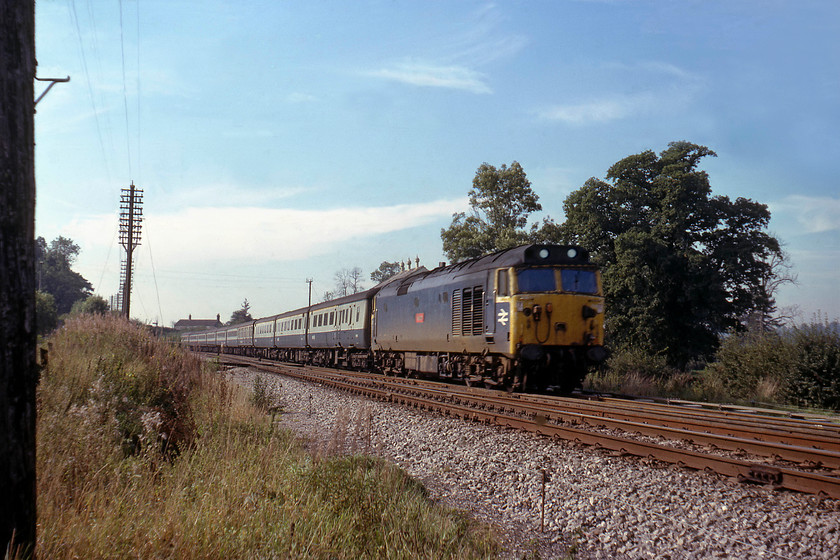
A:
(534, 254)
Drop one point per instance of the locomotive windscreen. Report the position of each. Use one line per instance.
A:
(578, 281)
(536, 280)
(573, 280)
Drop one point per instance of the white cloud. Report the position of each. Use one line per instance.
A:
(813, 214)
(427, 75)
(245, 234)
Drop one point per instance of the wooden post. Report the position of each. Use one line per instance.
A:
(18, 367)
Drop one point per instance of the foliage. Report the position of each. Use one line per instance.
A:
(752, 359)
(501, 201)
(93, 305)
(816, 379)
(117, 368)
(241, 315)
(55, 275)
(799, 365)
(46, 316)
(243, 489)
(680, 266)
(385, 271)
(632, 371)
(262, 396)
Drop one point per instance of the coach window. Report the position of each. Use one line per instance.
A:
(332, 317)
(502, 284)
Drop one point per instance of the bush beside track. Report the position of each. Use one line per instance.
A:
(798, 367)
(144, 453)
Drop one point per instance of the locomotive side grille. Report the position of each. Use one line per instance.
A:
(477, 310)
(456, 312)
(466, 313)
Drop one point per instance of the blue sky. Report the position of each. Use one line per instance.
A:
(280, 141)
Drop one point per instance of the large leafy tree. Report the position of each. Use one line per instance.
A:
(680, 266)
(55, 274)
(501, 199)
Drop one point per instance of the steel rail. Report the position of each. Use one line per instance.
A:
(778, 477)
(757, 429)
(819, 449)
(820, 424)
(806, 454)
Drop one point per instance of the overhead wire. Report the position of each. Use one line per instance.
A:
(75, 19)
(125, 94)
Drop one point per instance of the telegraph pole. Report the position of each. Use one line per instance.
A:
(131, 218)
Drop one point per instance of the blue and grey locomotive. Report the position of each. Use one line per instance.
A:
(530, 316)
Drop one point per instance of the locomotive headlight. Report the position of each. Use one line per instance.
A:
(544, 253)
(571, 253)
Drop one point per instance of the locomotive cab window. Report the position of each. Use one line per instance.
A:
(502, 283)
(536, 280)
(579, 281)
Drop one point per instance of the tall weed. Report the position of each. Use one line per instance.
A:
(237, 488)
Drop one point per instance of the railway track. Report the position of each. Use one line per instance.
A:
(792, 453)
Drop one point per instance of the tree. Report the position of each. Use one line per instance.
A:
(385, 271)
(348, 281)
(501, 201)
(680, 266)
(93, 305)
(46, 316)
(241, 315)
(18, 370)
(55, 274)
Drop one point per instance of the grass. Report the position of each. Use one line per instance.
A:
(145, 453)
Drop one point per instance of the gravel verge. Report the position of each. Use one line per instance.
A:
(596, 505)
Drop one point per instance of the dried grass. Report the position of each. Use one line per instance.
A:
(235, 488)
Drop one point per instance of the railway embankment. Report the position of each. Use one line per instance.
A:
(144, 452)
(554, 498)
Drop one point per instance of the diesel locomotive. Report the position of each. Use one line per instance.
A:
(530, 317)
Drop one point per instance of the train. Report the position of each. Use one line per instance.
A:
(525, 318)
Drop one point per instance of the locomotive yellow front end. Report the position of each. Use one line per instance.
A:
(556, 308)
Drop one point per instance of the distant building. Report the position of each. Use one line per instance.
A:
(191, 324)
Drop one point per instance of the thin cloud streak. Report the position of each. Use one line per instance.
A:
(427, 75)
(661, 86)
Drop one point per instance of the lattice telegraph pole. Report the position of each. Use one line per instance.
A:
(131, 218)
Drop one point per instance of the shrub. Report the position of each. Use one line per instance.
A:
(752, 360)
(816, 371)
(799, 366)
(633, 372)
(262, 397)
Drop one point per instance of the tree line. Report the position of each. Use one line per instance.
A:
(59, 289)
